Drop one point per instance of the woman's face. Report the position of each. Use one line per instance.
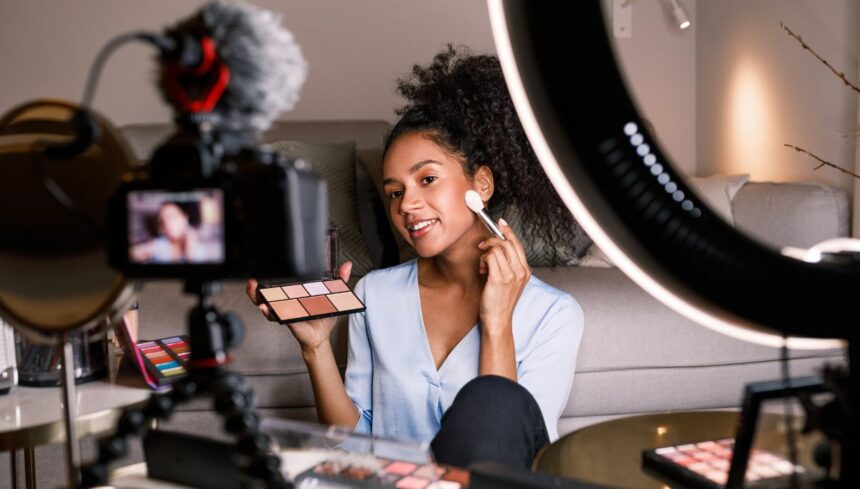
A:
(172, 222)
(426, 187)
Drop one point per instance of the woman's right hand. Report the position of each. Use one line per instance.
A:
(310, 334)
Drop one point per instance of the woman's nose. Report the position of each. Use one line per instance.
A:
(410, 201)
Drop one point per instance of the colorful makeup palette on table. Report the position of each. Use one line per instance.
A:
(161, 362)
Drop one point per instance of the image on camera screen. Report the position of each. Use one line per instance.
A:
(176, 228)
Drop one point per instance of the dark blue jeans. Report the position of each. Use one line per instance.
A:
(491, 419)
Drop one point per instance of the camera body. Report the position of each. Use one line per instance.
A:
(211, 207)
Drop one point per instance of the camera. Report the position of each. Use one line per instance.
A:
(212, 204)
(209, 208)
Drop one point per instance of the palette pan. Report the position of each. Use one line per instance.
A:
(309, 300)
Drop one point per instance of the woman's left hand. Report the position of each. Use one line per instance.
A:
(507, 269)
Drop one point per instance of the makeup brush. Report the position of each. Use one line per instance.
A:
(473, 200)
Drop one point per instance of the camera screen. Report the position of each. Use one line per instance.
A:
(176, 228)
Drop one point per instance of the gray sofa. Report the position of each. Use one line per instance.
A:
(637, 355)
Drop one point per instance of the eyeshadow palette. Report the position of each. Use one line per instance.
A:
(382, 474)
(706, 465)
(309, 300)
(165, 359)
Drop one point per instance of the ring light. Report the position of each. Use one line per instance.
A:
(618, 183)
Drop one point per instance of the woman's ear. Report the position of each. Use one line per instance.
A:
(482, 182)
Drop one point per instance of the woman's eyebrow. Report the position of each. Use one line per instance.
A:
(421, 164)
(414, 168)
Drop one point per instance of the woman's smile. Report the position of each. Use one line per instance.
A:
(420, 228)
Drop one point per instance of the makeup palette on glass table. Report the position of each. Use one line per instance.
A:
(347, 470)
(706, 465)
(303, 301)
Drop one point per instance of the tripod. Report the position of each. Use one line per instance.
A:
(212, 335)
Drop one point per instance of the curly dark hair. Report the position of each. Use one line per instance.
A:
(460, 101)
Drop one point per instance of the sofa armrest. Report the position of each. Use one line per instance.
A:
(798, 214)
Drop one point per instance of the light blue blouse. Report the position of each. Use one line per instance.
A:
(392, 378)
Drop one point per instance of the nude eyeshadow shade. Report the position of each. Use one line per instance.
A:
(292, 291)
(317, 306)
(274, 294)
(336, 286)
(345, 301)
(309, 300)
(290, 309)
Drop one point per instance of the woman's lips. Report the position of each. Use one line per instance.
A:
(423, 228)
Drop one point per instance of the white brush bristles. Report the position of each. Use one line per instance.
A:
(473, 200)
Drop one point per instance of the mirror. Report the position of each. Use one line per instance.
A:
(54, 275)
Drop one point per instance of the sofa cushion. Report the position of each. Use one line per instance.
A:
(626, 328)
(718, 192)
(798, 214)
(336, 164)
(634, 347)
(143, 138)
(537, 255)
(373, 214)
(373, 167)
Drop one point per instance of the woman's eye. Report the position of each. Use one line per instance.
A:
(395, 194)
(429, 179)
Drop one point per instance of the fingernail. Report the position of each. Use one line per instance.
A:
(503, 222)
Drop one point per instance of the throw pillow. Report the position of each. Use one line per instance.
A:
(336, 164)
(567, 254)
(373, 166)
(718, 191)
(595, 257)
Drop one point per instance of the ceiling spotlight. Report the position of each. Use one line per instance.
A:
(680, 14)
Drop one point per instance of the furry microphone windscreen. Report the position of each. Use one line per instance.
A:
(267, 68)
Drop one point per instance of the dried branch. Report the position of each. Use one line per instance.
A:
(823, 162)
(805, 46)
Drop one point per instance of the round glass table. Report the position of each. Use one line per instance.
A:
(610, 453)
(33, 416)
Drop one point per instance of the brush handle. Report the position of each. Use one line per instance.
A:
(490, 224)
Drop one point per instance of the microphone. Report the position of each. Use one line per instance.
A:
(233, 60)
(184, 50)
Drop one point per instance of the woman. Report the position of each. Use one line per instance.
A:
(461, 346)
(176, 238)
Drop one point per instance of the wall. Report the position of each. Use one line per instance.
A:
(723, 96)
(659, 62)
(356, 50)
(758, 89)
